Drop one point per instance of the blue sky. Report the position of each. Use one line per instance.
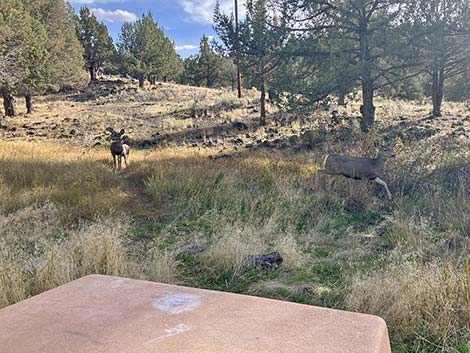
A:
(184, 21)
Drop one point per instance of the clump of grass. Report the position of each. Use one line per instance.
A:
(425, 301)
(228, 101)
(31, 224)
(13, 278)
(93, 248)
(291, 251)
(163, 266)
(233, 248)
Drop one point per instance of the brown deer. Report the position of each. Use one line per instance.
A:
(119, 149)
(359, 168)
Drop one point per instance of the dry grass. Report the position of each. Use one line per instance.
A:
(430, 301)
(162, 267)
(233, 247)
(93, 248)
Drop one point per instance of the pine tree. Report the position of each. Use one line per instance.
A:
(259, 42)
(440, 31)
(96, 41)
(366, 37)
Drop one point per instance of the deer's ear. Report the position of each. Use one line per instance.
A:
(121, 132)
(108, 130)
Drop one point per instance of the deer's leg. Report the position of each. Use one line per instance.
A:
(384, 184)
(125, 160)
(119, 162)
(114, 162)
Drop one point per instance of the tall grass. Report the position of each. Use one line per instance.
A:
(430, 302)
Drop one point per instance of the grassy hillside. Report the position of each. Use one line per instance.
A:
(206, 189)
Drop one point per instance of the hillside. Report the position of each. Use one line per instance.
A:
(175, 115)
(207, 190)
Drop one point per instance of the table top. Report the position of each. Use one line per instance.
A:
(105, 314)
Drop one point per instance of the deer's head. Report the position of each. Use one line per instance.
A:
(387, 150)
(115, 136)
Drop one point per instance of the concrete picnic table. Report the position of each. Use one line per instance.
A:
(106, 314)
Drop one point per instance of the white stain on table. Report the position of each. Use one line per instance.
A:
(177, 303)
(171, 331)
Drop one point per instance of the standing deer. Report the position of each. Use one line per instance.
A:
(359, 168)
(118, 148)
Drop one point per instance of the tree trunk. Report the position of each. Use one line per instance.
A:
(342, 99)
(141, 82)
(367, 108)
(437, 92)
(29, 103)
(262, 120)
(9, 104)
(92, 71)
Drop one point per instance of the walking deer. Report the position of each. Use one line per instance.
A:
(118, 148)
(359, 168)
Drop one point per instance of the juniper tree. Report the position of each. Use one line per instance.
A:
(208, 68)
(16, 34)
(96, 41)
(146, 51)
(55, 59)
(35, 63)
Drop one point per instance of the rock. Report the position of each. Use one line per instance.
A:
(193, 249)
(239, 125)
(270, 262)
(293, 140)
(272, 130)
(266, 143)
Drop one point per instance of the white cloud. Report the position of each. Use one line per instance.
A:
(114, 15)
(185, 47)
(89, 2)
(202, 11)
